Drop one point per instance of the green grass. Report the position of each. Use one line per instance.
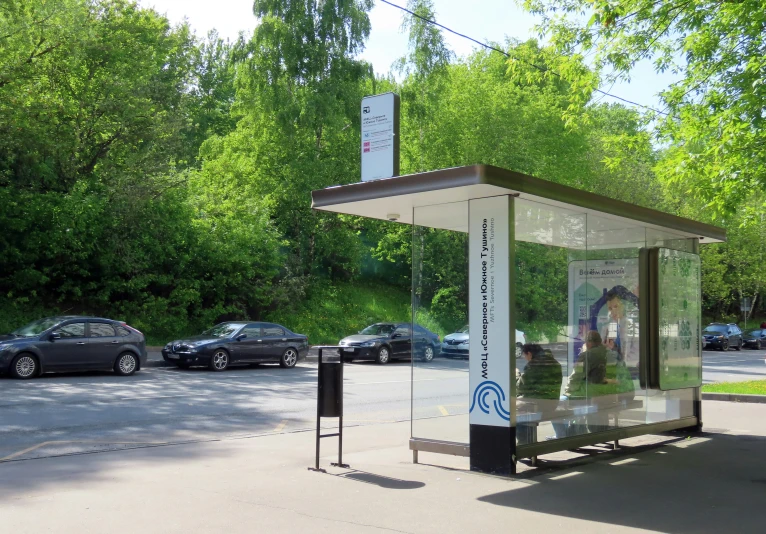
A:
(751, 387)
(335, 311)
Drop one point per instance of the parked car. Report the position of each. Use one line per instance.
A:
(240, 342)
(754, 339)
(723, 336)
(72, 343)
(383, 342)
(456, 345)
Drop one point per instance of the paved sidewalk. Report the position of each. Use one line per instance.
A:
(712, 483)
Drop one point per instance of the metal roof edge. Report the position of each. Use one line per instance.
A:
(409, 184)
(517, 182)
(569, 195)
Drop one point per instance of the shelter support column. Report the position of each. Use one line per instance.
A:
(491, 303)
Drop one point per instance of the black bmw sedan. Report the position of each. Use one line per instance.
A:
(72, 343)
(383, 342)
(238, 343)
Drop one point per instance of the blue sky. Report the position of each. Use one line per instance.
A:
(484, 20)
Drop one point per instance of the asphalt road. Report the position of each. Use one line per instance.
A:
(86, 412)
(90, 412)
(733, 366)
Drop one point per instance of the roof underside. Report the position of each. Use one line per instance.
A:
(540, 205)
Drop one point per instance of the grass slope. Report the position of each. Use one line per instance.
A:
(336, 311)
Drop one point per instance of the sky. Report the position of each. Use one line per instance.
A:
(484, 20)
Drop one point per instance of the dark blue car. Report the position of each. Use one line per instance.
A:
(754, 339)
(383, 342)
(239, 342)
(72, 343)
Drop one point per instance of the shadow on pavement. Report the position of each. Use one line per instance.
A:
(382, 481)
(713, 483)
(25, 476)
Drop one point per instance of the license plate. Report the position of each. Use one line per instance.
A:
(349, 349)
(173, 356)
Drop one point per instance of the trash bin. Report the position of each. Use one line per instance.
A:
(330, 389)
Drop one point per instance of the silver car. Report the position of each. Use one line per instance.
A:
(456, 345)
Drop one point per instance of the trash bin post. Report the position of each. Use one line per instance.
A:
(340, 419)
(329, 402)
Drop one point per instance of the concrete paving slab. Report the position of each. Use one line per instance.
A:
(714, 482)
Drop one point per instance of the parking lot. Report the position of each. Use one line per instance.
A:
(81, 413)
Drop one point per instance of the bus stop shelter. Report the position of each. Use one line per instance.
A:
(606, 293)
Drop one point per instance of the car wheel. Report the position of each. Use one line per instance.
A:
(384, 355)
(289, 358)
(758, 345)
(518, 350)
(739, 346)
(725, 345)
(219, 361)
(182, 365)
(428, 353)
(24, 366)
(126, 364)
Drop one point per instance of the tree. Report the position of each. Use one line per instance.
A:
(713, 118)
(426, 70)
(212, 91)
(298, 94)
(102, 101)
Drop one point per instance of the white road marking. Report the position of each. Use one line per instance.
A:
(281, 426)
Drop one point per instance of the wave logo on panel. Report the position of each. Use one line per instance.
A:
(486, 392)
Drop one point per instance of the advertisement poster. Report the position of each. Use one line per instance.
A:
(490, 334)
(603, 296)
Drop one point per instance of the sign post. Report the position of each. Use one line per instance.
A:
(380, 136)
(491, 301)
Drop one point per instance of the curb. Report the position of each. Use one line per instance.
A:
(734, 397)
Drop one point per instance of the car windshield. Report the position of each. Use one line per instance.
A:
(222, 330)
(754, 333)
(35, 328)
(464, 330)
(716, 329)
(378, 330)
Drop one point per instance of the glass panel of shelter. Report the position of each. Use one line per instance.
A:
(577, 298)
(440, 305)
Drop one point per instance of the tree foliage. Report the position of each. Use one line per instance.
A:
(162, 178)
(713, 117)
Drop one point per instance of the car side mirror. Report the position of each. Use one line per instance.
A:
(55, 335)
(241, 337)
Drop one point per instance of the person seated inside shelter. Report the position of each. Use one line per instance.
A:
(589, 373)
(538, 389)
(600, 383)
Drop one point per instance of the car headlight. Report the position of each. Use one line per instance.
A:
(4, 346)
(720, 337)
(368, 344)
